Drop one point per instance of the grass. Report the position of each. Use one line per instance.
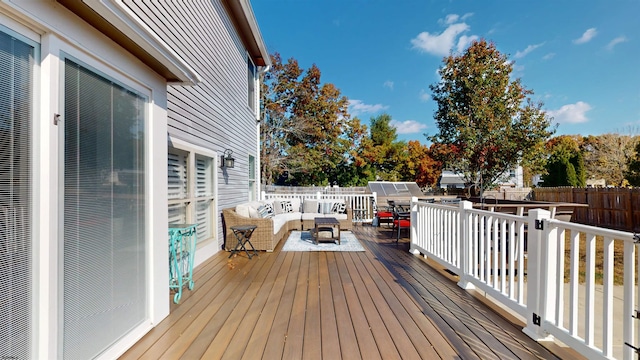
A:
(618, 259)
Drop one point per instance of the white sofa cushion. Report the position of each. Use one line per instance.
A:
(336, 216)
(278, 222)
(311, 216)
(249, 209)
(243, 210)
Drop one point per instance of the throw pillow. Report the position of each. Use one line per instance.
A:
(286, 206)
(310, 206)
(338, 208)
(325, 207)
(270, 209)
(264, 212)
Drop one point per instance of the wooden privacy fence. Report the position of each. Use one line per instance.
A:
(612, 208)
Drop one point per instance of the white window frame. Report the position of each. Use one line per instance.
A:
(49, 150)
(253, 191)
(191, 198)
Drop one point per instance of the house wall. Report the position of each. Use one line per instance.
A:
(57, 31)
(213, 115)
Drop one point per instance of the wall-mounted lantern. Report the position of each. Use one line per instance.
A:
(226, 161)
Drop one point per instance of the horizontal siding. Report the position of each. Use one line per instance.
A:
(213, 114)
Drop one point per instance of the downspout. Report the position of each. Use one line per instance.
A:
(261, 71)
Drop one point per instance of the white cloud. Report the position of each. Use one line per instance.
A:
(616, 41)
(523, 53)
(424, 96)
(465, 41)
(407, 126)
(357, 107)
(518, 68)
(388, 84)
(571, 113)
(450, 19)
(549, 56)
(587, 36)
(441, 44)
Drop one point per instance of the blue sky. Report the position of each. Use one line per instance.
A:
(581, 58)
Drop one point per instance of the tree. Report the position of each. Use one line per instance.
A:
(488, 122)
(633, 167)
(606, 156)
(420, 166)
(565, 166)
(278, 91)
(307, 132)
(386, 153)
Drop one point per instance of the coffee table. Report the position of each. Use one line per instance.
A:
(326, 224)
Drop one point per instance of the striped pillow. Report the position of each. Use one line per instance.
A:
(265, 212)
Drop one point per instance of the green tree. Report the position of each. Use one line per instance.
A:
(488, 121)
(386, 153)
(565, 166)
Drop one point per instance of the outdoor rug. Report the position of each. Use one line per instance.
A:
(302, 241)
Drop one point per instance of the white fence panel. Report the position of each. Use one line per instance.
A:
(559, 276)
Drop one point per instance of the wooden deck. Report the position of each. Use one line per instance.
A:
(383, 303)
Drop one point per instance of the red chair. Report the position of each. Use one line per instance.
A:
(384, 214)
(400, 220)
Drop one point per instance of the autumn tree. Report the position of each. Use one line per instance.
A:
(307, 132)
(632, 174)
(488, 121)
(278, 91)
(606, 156)
(421, 167)
(565, 166)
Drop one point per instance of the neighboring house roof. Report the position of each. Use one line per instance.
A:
(451, 178)
(116, 21)
(397, 188)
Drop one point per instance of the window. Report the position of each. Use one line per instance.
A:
(16, 117)
(191, 191)
(104, 218)
(252, 178)
(251, 81)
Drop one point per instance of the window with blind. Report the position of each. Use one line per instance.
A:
(16, 116)
(191, 191)
(104, 252)
(252, 178)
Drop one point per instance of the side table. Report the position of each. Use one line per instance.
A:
(182, 249)
(243, 235)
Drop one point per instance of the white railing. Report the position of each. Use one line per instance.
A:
(520, 263)
(361, 204)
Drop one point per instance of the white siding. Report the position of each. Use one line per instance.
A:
(214, 114)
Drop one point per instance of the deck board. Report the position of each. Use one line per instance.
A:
(346, 333)
(383, 303)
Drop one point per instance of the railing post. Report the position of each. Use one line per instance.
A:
(464, 255)
(263, 195)
(318, 195)
(413, 226)
(537, 276)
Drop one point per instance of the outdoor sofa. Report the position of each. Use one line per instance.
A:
(275, 218)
